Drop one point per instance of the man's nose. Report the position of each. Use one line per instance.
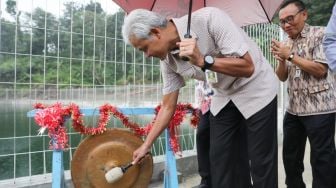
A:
(286, 24)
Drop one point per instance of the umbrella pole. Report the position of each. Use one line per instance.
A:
(262, 6)
(187, 35)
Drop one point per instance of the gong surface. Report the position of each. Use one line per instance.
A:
(97, 154)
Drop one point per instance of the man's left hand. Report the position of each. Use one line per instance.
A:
(280, 50)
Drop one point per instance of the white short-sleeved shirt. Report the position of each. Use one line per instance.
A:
(218, 36)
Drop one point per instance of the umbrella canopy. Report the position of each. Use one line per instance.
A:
(243, 12)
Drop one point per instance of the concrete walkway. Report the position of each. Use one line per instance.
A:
(192, 180)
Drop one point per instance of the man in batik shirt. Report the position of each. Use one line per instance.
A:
(312, 98)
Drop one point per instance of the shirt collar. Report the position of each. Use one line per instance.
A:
(305, 31)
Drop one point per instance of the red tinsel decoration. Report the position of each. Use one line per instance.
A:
(53, 118)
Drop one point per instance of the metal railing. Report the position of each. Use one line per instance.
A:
(60, 51)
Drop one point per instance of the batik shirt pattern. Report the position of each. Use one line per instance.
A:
(309, 95)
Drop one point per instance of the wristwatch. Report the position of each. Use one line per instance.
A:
(291, 56)
(208, 62)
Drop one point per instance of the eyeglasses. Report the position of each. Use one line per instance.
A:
(289, 19)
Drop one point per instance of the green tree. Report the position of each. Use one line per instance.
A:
(319, 12)
(7, 38)
(94, 7)
(11, 7)
(43, 39)
(84, 33)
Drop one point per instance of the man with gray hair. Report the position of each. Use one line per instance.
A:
(244, 86)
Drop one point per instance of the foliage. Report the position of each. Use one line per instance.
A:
(11, 7)
(319, 12)
(83, 46)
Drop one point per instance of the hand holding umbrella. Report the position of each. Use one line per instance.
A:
(189, 49)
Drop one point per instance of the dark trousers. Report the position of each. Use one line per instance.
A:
(203, 148)
(320, 130)
(235, 158)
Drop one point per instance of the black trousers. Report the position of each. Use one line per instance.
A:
(203, 150)
(235, 158)
(320, 130)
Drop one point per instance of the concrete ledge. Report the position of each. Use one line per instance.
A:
(186, 165)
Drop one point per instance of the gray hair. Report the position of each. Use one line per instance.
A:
(139, 23)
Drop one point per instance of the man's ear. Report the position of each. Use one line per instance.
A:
(156, 32)
(305, 15)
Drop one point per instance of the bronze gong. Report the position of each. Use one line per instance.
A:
(98, 154)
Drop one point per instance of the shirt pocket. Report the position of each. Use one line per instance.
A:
(318, 88)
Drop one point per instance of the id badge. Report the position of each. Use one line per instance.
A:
(297, 73)
(211, 77)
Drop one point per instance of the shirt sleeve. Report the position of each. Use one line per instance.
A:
(171, 80)
(226, 34)
(318, 53)
(329, 42)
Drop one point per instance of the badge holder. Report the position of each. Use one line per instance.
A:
(211, 78)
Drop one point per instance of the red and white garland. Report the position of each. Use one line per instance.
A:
(53, 118)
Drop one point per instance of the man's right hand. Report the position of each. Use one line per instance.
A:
(280, 50)
(140, 153)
